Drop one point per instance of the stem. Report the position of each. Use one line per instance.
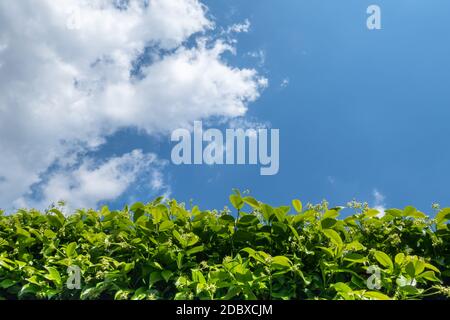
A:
(270, 282)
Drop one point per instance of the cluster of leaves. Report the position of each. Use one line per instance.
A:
(161, 250)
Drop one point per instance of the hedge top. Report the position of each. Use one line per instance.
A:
(161, 250)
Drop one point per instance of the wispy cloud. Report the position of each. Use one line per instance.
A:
(285, 83)
(379, 202)
(239, 27)
(259, 55)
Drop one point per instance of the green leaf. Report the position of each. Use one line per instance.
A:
(384, 259)
(267, 212)
(22, 232)
(342, 287)
(410, 211)
(140, 294)
(371, 213)
(328, 223)
(122, 294)
(410, 269)
(192, 239)
(196, 211)
(232, 293)
(327, 250)
(431, 267)
(251, 201)
(394, 212)
(181, 240)
(419, 215)
(294, 232)
(237, 201)
(166, 225)
(49, 234)
(59, 215)
(71, 250)
(376, 295)
(227, 219)
(198, 277)
(195, 250)
(7, 283)
(297, 204)
(6, 263)
(334, 237)
(181, 296)
(155, 277)
(410, 290)
(28, 289)
(180, 260)
(166, 274)
(138, 209)
(157, 214)
(443, 216)
(330, 214)
(429, 275)
(281, 213)
(399, 258)
(137, 206)
(249, 294)
(248, 220)
(281, 262)
(355, 246)
(355, 257)
(419, 266)
(53, 275)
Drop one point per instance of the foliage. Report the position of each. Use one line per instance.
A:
(161, 250)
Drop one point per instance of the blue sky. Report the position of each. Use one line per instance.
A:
(363, 110)
(360, 111)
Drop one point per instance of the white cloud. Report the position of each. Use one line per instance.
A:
(285, 83)
(379, 202)
(379, 197)
(248, 123)
(260, 55)
(65, 81)
(157, 181)
(239, 27)
(84, 186)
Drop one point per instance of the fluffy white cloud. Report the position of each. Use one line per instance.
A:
(85, 185)
(66, 81)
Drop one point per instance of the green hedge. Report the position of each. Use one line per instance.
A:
(161, 250)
